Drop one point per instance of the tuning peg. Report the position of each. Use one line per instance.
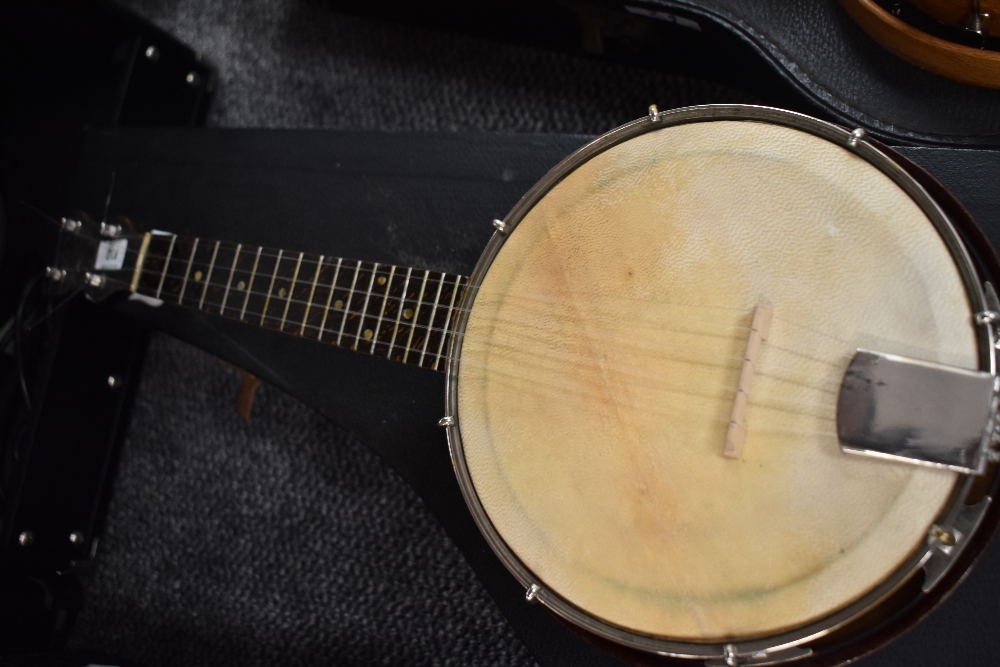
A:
(111, 231)
(54, 274)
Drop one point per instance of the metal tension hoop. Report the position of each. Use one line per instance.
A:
(918, 412)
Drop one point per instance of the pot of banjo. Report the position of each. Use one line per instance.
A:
(668, 359)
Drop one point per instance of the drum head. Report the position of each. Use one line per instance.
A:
(595, 373)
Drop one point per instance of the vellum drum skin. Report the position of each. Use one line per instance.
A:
(602, 353)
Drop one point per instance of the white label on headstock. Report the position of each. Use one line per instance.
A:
(111, 255)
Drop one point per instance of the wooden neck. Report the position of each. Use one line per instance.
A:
(378, 309)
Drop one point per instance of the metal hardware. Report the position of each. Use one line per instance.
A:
(500, 226)
(986, 317)
(446, 421)
(532, 593)
(76, 537)
(857, 136)
(94, 280)
(111, 231)
(70, 225)
(943, 536)
(152, 53)
(54, 274)
(193, 79)
(945, 540)
(978, 21)
(654, 112)
(920, 412)
(114, 381)
(26, 538)
(731, 657)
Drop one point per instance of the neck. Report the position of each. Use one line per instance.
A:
(378, 309)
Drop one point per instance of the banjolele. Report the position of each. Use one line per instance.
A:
(661, 370)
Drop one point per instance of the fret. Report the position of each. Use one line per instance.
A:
(382, 311)
(215, 277)
(430, 321)
(208, 275)
(446, 326)
(249, 283)
(153, 265)
(347, 304)
(187, 271)
(236, 291)
(367, 333)
(173, 275)
(312, 293)
(416, 312)
(140, 260)
(399, 312)
(326, 309)
(291, 291)
(166, 265)
(270, 288)
(229, 282)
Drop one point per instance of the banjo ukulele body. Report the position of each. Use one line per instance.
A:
(646, 376)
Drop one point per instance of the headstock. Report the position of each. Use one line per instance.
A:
(97, 258)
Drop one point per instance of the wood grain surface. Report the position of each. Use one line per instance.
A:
(977, 67)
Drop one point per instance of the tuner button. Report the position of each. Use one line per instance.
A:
(70, 225)
(94, 280)
(54, 274)
(110, 231)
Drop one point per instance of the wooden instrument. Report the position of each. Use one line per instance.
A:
(948, 37)
(643, 374)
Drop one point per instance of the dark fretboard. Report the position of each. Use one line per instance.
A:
(379, 309)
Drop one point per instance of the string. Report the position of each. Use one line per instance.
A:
(526, 326)
(318, 260)
(590, 333)
(519, 321)
(388, 269)
(642, 370)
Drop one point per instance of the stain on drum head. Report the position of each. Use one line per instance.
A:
(603, 350)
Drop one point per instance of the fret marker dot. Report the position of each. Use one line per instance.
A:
(381, 280)
(197, 276)
(282, 292)
(368, 334)
(408, 313)
(241, 285)
(338, 304)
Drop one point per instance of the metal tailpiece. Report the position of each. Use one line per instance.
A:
(918, 412)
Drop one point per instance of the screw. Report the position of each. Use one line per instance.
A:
(500, 226)
(114, 381)
(193, 79)
(532, 593)
(152, 53)
(446, 421)
(76, 537)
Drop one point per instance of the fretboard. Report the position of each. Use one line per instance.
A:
(383, 310)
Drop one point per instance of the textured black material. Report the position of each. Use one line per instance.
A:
(237, 543)
(297, 64)
(816, 45)
(284, 540)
